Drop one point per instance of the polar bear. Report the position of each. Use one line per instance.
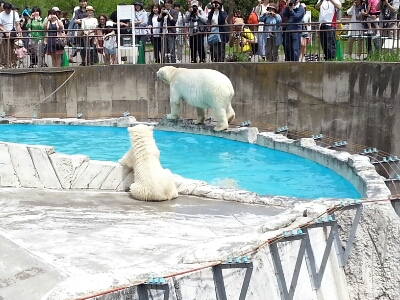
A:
(201, 88)
(152, 182)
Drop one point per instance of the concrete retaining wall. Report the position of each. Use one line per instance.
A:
(353, 101)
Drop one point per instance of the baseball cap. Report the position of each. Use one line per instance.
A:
(55, 8)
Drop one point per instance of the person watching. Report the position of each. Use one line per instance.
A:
(80, 14)
(241, 40)
(389, 9)
(9, 20)
(294, 13)
(196, 18)
(327, 18)
(141, 20)
(217, 19)
(169, 17)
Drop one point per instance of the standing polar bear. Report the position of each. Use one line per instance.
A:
(152, 182)
(201, 88)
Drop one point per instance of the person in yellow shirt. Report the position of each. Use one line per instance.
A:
(241, 41)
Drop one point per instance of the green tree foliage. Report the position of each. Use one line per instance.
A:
(100, 6)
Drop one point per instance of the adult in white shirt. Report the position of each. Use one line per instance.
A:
(9, 20)
(356, 28)
(327, 15)
(89, 25)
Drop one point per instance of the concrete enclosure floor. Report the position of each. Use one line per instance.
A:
(47, 236)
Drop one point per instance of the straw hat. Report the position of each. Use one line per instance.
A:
(89, 8)
(238, 21)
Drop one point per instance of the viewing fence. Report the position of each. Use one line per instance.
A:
(80, 50)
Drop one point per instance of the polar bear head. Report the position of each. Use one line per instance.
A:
(166, 73)
(143, 143)
(141, 131)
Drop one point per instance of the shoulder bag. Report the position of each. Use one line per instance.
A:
(214, 36)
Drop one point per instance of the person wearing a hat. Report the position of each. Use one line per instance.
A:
(294, 13)
(141, 21)
(273, 33)
(168, 18)
(110, 44)
(217, 18)
(196, 18)
(20, 52)
(241, 40)
(89, 26)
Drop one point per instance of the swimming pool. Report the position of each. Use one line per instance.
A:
(215, 160)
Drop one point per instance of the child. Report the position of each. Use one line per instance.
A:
(371, 14)
(271, 20)
(110, 44)
(20, 51)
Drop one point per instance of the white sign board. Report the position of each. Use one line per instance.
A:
(126, 12)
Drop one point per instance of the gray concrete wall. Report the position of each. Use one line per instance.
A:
(353, 101)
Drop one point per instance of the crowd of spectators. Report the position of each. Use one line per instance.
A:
(202, 26)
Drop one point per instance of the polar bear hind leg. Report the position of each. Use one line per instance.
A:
(138, 191)
(201, 115)
(222, 121)
(230, 114)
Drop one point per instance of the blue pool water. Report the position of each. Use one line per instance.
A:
(215, 160)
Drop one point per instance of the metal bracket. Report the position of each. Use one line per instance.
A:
(344, 251)
(396, 205)
(285, 293)
(316, 277)
(219, 278)
(145, 287)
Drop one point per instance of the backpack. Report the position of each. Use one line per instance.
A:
(253, 18)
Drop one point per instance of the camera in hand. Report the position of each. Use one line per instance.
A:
(164, 11)
(292, 2)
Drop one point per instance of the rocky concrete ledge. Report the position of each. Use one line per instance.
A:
(116, 122)
(241, 134)
(40, 167)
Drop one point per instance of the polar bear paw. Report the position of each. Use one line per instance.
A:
(171, 117)
(220, 127)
